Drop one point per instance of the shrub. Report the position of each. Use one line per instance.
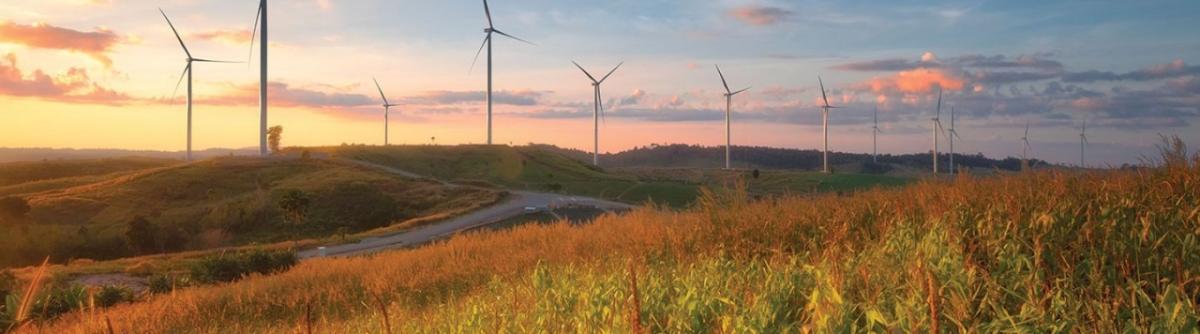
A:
(141, 235)
(13, 207)
(161, 284)
(294, 204)
(232, 267)
(358, 206)
(110, 295)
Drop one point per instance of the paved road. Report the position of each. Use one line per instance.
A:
(514, 205)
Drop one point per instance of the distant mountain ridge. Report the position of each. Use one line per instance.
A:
(11, 154)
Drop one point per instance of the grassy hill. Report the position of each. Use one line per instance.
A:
(1052, 251)
(25, 177)
(542, 168)
(220, 202)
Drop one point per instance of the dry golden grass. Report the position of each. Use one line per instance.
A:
(1039, 252)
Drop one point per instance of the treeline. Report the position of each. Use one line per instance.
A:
(696, 156)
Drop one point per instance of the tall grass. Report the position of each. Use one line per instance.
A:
(1106, 252)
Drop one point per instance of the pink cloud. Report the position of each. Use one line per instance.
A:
(74, 86)
(93, 44)
(760, 15)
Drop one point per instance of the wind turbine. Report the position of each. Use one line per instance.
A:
(825, 127)
(598, 110)
(260, 23)
(386, 108)
(487, 42)
(1025, 149)
(728, 111)
(1083, 141)
(937, 129)
(951, 134)
(875, 138)
(187, 71)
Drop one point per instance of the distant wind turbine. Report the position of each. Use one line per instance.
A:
(728, 111)
(937, 129)
(825, 127)
(951, 134)
(598, 111)
(1027, 148)
(386, 111)
(487, 42)
(260, 23)
(187, 71)
(1083, 141)
(875, 138)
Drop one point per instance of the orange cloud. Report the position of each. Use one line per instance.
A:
(93, 44)
(759, 15)
(917, 81)
(241, 36)
(74, 86)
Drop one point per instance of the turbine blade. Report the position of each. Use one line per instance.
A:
(1026, 129)
(186, 68)
(488, 12)
(384, 97)
(513, 37)
(215, 61)
(610, 73)
(254, 31)
(185, 49)
(486, 40)
(600, 102)
(723, 82)
(738, 92)
(823, 96)
(585, 72)
(939, 105)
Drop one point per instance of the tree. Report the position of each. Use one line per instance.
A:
(294, 203)
(13, 207)
(141, 235)
(274, 136)
(755, 173)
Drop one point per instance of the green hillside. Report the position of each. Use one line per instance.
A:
(34, 176)
(222, 202)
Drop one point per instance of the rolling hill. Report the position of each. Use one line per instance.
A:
(220, 202)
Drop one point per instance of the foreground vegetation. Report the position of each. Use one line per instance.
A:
(1113, 251)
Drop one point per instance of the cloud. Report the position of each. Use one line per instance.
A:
(760, 15)
(1174, 69)
(73, 86)
(233, 36)
(95, 44)
(632, 99)
(516, 98)
(285, 95)
(916, 81)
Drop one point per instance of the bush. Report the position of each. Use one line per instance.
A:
(110, 295)
(162, 284)
(13, 207)
(142, 235)
(356, 205)
(232, 267)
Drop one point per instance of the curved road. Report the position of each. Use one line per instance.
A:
(514, 205)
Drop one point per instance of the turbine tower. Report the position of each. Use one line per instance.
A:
(937, 129)
(951, 134)
(260, 23)
(487, 42)
(875, 138)
(386, 108)
(825, 127)
(728, 111)
(1083, 141)
(187, 72)
(598, 111)
(1025, 149)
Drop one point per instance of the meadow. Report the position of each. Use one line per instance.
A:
(1048, 251)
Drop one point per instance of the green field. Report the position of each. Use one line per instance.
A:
(220, 202)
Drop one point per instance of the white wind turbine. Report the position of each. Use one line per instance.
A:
(260, 23)
(825, 127)
(187, 72)
(487, 42)
(1083, 141)
(937, 129)
(386, 110)
(875, 138)
(598, 111)
(951, 134)
(1025, 149)
(728, 111)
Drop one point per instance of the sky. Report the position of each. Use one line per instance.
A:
(102, 73)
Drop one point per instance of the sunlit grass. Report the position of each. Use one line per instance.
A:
(1110, 251)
